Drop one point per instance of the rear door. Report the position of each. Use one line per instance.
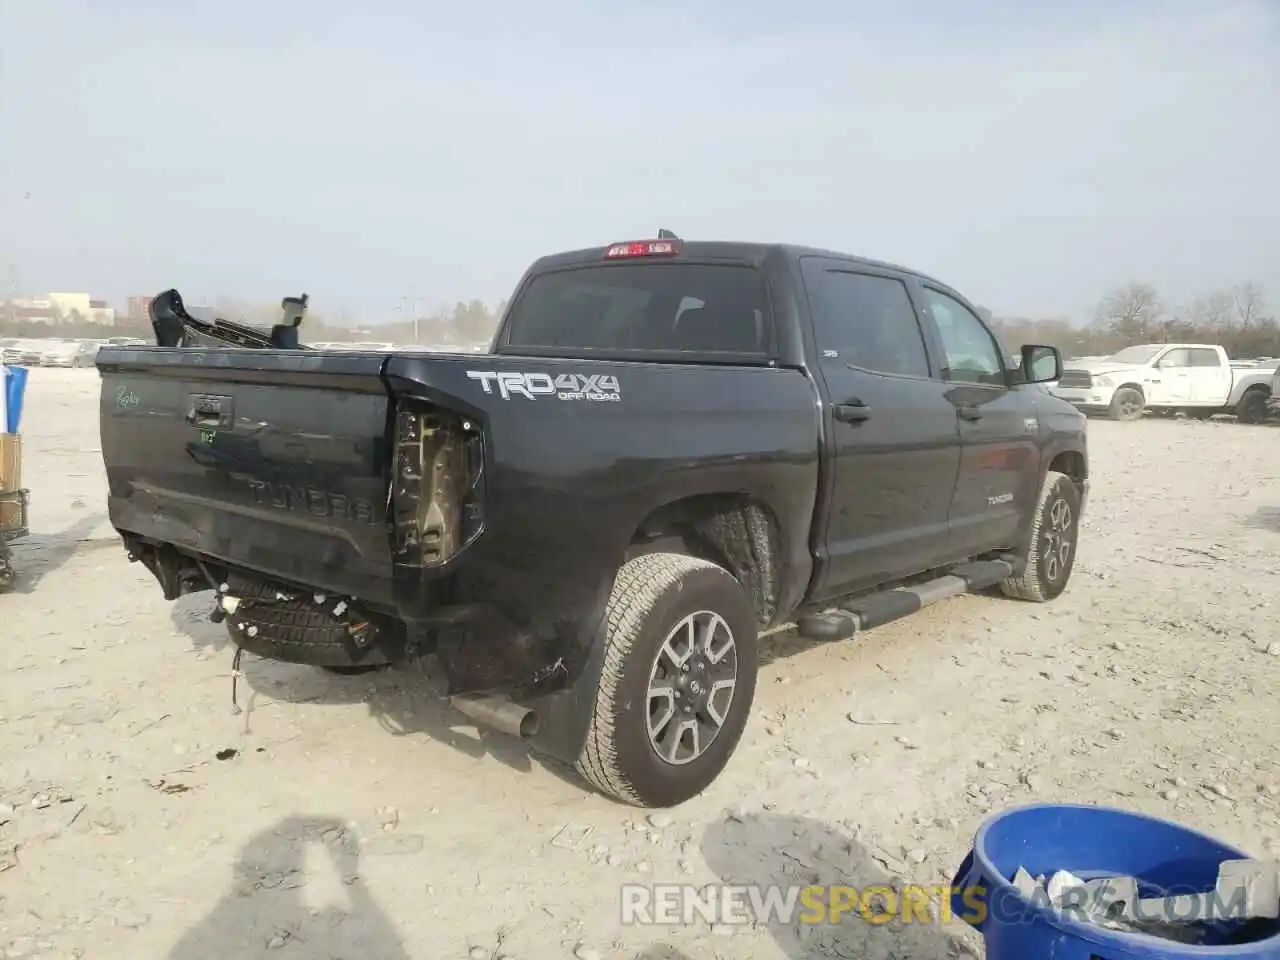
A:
(893, 440)
(1211, 377)
(998, 481)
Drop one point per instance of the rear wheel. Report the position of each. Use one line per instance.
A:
(677, 682)
(1055, 528)
(1127, 404)
(1252, 407)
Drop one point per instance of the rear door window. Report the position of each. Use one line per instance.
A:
(1204, 357)
(866, 321)
(644, 307)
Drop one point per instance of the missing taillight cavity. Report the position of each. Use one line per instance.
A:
(433, 484)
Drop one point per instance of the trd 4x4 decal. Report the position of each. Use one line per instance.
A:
(565, 386)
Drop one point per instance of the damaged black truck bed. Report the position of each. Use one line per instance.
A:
(670, 447)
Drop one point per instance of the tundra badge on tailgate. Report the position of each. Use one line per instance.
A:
(566, 386)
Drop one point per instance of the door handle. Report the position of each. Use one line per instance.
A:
(205, 411)
(855, 411)
(969, 413)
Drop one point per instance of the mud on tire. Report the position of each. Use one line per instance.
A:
(641, 676)
(1055, 522)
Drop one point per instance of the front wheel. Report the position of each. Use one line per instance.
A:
(1127, 404)
(677, 682)
(1055, 530)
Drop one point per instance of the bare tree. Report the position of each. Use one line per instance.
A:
(1249, 304)
(1215, 310)
(1132, 312)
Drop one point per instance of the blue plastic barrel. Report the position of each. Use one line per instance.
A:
(15, 389)
(1091, 842)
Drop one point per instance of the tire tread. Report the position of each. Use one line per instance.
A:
(638, 587)
(1028, 585)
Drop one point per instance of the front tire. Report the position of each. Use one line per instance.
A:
(677, 683)
(1127, 404)
(1055, 532)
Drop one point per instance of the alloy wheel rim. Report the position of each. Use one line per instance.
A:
(691, 687)
(1058, 539)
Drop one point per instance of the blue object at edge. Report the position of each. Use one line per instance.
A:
(1089, 841)
(15, 390)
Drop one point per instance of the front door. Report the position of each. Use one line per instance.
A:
(998, 482)
(1171, 379)
(892, 437)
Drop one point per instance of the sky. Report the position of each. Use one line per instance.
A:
(1030, 158)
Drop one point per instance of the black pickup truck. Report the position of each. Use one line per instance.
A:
(669, 447)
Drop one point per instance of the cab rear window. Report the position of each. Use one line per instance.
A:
(644, 307)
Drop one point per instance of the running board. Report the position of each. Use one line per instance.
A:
(877, 609)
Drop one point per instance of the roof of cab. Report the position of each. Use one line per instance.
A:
(728, 250)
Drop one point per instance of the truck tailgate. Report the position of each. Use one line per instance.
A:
(276, 461)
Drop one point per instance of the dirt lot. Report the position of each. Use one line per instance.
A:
(361, 818)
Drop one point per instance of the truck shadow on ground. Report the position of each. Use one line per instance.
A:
(405, 700)
(38, 555)
(783, 851)
(1265, 518)
(265, 909)
(784, 644)
(190, 617)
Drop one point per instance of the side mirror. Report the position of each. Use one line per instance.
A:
(1040, 364)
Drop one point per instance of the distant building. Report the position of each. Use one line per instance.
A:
(81, 305)
(137, 307)
(58, 307)
(102, 312)
(33, 311)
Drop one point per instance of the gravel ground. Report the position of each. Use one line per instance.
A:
(360, 818)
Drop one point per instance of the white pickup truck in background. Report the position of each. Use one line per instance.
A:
(1192, 378)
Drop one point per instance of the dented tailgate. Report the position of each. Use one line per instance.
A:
(276, 461)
